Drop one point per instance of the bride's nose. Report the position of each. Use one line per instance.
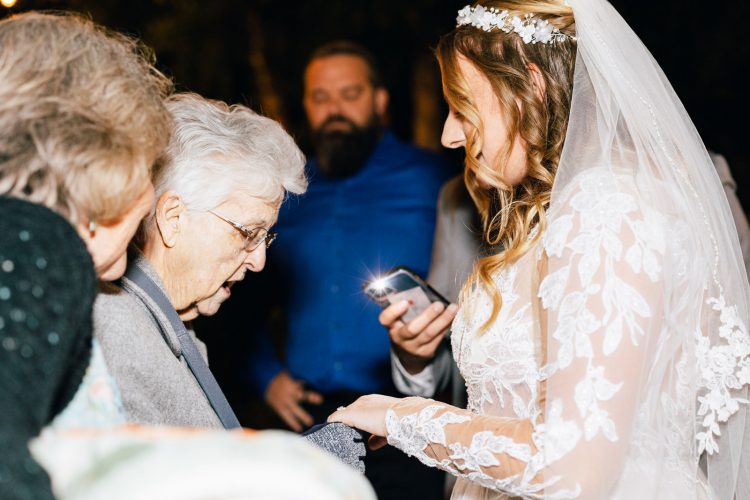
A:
(453, 133)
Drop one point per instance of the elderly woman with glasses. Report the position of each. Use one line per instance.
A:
(218, 186)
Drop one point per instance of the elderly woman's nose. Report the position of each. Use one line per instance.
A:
(256, 260)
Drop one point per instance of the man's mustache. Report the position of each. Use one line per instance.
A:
(337, 119)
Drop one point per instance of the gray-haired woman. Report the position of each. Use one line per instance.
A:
(219, 186)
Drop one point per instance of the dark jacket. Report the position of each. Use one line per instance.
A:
(47, 290)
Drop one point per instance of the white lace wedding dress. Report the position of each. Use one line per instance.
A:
(593, 382)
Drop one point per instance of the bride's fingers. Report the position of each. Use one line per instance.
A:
(338, 416)
(376, 442)
(367, 413)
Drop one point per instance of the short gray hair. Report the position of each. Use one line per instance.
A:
(216, 150)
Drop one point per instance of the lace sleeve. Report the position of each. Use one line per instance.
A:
(601, 294)
(497, 453)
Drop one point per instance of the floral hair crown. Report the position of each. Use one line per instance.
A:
(529, 29)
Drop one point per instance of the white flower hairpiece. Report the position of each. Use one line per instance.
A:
(529, 29)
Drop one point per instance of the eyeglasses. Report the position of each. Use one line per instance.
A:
(253, 236)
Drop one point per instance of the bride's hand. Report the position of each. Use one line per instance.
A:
(366, 414)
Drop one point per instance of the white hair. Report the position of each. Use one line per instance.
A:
(217, 150)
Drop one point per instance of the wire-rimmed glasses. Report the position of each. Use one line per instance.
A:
(254, 236)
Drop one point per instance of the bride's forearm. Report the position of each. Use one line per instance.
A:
(491, 449)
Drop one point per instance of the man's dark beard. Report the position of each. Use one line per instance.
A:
(342, 153)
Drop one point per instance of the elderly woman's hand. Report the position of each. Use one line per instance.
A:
(367, 414)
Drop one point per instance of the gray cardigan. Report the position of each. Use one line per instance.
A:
(155, 383)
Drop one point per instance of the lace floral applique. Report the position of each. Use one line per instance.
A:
(678, 407)
(509, 369)
(722, 368)
(602, 213)
(605, 251)
(557, 437)
(412, 433)
(501, 362)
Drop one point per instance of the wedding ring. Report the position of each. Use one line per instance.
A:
(341, 408)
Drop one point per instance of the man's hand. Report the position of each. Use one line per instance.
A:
(285, 394)
(416, 343)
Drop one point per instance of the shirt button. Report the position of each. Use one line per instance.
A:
(338, 366)
(334, 289)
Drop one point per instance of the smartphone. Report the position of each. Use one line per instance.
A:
(401, 283)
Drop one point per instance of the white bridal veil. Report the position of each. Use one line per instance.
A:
(683, 348)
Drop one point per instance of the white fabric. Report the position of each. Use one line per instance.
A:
(622, 340)
(418, 384)
(161, 463)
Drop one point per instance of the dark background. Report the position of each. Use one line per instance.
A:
(254, 51)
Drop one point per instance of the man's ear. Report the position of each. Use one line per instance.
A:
(538, 80)
(381, 101)
(170, 212)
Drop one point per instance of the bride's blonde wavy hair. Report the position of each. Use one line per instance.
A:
(509, 212)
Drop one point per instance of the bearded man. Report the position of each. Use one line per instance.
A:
(370, 206)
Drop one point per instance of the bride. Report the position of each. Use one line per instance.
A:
(605, 350)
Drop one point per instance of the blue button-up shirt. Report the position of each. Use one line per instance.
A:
(341, 233)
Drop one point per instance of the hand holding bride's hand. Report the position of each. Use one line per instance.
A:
(367, 414)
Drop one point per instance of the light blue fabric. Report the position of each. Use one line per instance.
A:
(97, 402)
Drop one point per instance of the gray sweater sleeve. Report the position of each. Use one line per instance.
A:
(156, 386)
(344, 442)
